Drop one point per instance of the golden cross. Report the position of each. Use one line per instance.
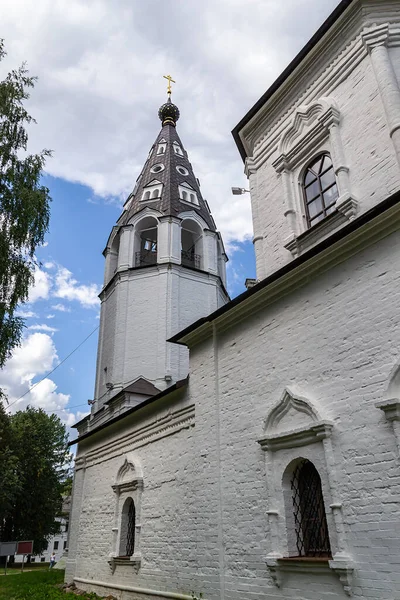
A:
(169, 90)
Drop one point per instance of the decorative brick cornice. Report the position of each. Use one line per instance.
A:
(249, 167)
(372, 37)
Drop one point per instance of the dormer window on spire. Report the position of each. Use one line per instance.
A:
(152, 191)
(187, 194)
(161, 148)
(177, 149)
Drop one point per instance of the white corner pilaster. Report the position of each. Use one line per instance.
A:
(169, 240)
(258, 239)
(210, 252)
(125, 255)
(375, 40)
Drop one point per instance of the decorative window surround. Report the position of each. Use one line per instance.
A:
(191, 195)
(154, 187)
(391, 408)
(279, 434)
(129, 484)
(376, 40)
(177, 149)
(341, 566)
(313, 124)
(297, 437)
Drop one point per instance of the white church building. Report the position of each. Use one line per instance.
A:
(268, 467)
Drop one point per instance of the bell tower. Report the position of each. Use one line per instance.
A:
(164, 269)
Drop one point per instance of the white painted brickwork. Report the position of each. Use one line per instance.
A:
(309, 366)
(205, 491)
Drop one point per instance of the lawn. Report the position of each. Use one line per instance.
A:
(35, 585)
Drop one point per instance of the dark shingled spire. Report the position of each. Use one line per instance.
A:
(170, 160)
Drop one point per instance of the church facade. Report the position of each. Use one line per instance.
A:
(272, 471)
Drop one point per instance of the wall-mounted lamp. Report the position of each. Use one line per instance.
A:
(237, 191)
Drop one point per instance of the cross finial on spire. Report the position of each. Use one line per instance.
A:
(169, 89)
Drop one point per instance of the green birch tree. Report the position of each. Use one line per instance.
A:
(24, 204)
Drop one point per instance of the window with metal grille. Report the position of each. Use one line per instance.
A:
(319, 189)
(312, 537)
(130, 533)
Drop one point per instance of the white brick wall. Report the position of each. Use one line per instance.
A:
(364, 129)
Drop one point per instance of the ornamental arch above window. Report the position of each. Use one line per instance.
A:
(320, 189)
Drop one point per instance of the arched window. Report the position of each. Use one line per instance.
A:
(312, 537)
(146, 242)
(156, 193)
(191, 244)
(192, 198)
(128, 525)
(184, 195)
(146, 195)
(319, 189)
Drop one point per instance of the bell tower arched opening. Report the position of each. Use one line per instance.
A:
(146, 242)
(191, 244)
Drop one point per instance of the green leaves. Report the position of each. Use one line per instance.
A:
(24, 204)
(36, 456)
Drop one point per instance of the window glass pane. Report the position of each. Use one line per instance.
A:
(314, 208)
(327, 179)
(310, 176)
(316, 167)
(330, 209)
(330, 195)
(325, 164)
(312, 190)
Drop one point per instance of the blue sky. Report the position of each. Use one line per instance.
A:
(100, 68)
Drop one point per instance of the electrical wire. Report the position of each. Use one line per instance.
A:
(55, 368)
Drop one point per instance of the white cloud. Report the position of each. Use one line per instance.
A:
(42, 328)
(50, 316)
(41, 287)
(49, 265)
(68, 288)
(26, 314)
(61, 308)
(100, 68)
(36, 356)
(62, 284)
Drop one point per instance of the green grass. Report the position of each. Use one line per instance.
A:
(35, 585)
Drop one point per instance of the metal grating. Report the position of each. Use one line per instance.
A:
(146, 257)
(190, 259)
(130, 537)
(312, 537)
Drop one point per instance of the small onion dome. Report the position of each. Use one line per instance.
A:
(168, 113)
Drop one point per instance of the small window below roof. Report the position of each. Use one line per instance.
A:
(187, 194)
(177, 149)
(182, 170)
(152, 192)
(161, 148)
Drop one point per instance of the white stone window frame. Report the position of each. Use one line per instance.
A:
(294, 430)
(314, 129)
(128, 484)
(154, 187)
(161, 148)
(390, 405)
(191, 194)
(182, 170)
(177, 149)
